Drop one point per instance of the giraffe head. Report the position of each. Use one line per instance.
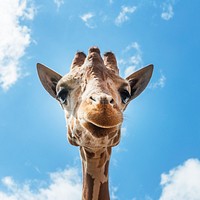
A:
(94, 96)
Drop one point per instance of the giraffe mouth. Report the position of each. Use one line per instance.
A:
(99, 130)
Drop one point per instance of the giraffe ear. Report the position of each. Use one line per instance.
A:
(139, 80)
(48, 78)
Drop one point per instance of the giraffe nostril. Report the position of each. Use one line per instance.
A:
(112, 101)
(92, 98)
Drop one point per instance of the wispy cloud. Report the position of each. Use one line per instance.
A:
(133, 45)
(146, 197)
(58, 3)
(113, 195)
(14, 39)
(160, 83)
(134, 59)
(120, 148)
(182, 182)
(167, 11)
(62, 185)
(123, 15)
(88, 19)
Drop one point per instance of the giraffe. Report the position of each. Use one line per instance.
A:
(93, 97)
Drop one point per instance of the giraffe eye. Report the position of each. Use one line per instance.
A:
(62, 95)
(125, 96)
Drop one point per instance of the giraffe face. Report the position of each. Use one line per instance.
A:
(93, 97)
(94, 104)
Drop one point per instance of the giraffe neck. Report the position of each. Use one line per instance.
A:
(95, 173)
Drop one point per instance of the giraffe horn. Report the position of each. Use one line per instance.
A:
(111, 62)
(94, 56)
(78, 60)
(94, 49)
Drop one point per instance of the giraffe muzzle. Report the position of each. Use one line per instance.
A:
(99, 131)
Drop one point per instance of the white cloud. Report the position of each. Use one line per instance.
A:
(58, 3)
(167, 11)
(8, 182)
(136, 59)
(120, 148)
(182, 182)
(113, 193)
(88, 19)
(123, 15)
(14, 39)
(129, 70)
(123, 131)
(63, 184)
(133, 45)
(160, 83)
(133, 61)
(121, 61)
(146, 197)
(87, 16)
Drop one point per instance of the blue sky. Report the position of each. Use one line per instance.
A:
(159, 153)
